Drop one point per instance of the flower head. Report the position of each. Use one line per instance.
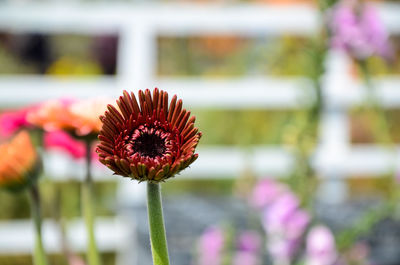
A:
(282, 249)
(152, 140)
(13, 120)
(277, 216)
(249, 241)
(265, 192)
(77, 117)
(283, 220)
(19, 162)
(358, 30)
(246, 258)
(321, 247)
(52, 115)
(297, 224)
(85, 114)
(63, 141)
(211, 245)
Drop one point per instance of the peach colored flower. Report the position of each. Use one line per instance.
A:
(52, 115)
(80, 117)
(19, 161)
(86, 115)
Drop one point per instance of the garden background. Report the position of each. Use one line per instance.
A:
(273, 99)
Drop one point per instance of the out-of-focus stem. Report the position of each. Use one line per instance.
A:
(71, 257)
(382, 135)
(39, 257)
(381, 132)
(93, 257)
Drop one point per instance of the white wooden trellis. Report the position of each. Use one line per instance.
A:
(138, 27)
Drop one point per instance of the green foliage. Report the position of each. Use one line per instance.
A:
(363, 124)
(242, 127)
(107, 258)
(204, 187)
(195, 56)
(62, 195)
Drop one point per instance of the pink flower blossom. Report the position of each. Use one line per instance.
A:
(248, 247)
(277, 215)
(63, 141)
(283, 220)
(210, 247)
(246, 258)
(357, 29)
(282, 249)
(321, 247)
(13, 120)
(297, 223)
(249, 241)
(265, 192)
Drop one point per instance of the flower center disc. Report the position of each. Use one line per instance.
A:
(150, 145)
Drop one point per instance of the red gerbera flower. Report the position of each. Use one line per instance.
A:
(152, 140)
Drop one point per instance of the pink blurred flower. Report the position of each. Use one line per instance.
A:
(283, 220)
(248, 247)
(282, 249)
(13, 120)
(361, 34)
(265, 192)
(297, 223)
(284, 239)
(249, 241)
(246, 258)
(210, 246)
(63, 141)
(277, 215)
(321, 247)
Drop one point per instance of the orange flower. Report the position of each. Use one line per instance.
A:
(86, 115)
(19, 162)
(52, 115)
(81, 118)
(219, 46)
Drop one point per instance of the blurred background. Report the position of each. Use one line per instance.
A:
(273, 98)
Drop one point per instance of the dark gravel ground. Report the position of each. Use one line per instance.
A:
(186, 217)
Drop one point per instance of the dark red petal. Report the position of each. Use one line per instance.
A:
(164, 106)
(126, 112)
(177, 112)
(171, 108)
(115, 113)
(183, 121)
(149, 101)
(134, 104)
(142, 100)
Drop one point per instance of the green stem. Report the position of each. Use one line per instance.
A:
(158, 238)
(346, 238)
(382, 133)
(39, 257)
(93, 257)
(382, 130)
